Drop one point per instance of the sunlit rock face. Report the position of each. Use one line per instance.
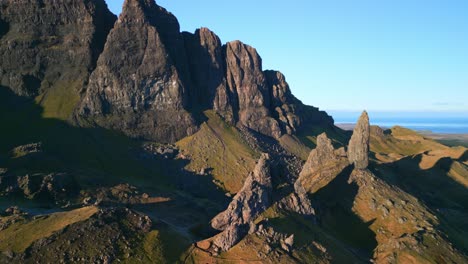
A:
(140, 83)
(358, 149)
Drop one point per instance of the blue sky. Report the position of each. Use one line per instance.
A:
(388, 55)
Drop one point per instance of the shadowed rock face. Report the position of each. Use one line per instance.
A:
(48, 44)
(206, 62)
(322, 166)
(139, 85)
(358, 149)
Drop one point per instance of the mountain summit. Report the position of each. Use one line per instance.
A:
(165, 78)
(142, 76)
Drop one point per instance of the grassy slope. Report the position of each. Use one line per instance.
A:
(312, 244)
(219, 147)
(159, 246)
(400, 142)
(95, 156)
(18, 236)
(60, 101)
(306, 139)
(433, 173)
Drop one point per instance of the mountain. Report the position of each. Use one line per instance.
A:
(153, 82)
(126, 140)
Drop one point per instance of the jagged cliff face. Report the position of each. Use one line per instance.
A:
(47, 45)
(139, 84)
(150, 81)
(207, 68)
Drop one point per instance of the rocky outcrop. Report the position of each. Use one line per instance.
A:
(47, 45)
(53, 187)
(290, 112)
(230, 80)
(297, 202)
(249, 89)
(139, 86)
(232, 235)
(142, 77)
(358, 149)
(109, 235)
(323, 165)
(253, 199)
(207, 69)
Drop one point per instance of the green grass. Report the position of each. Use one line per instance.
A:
(402, 141)
(96, 156)
(19, 236)
(308, 135)
(159, 246)
(306, 139)
(294, 145)
(60, 100)
(219, 147)
(305, 233)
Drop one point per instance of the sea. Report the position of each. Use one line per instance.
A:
(434, 122)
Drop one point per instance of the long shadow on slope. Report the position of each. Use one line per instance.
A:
(96, 157)
(339, 136)
(464, 157)
(334, 213)
(94, 153)
(445, 197)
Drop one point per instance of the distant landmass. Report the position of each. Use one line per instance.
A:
(435, 122)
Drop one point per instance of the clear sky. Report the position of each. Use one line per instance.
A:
(387, 55)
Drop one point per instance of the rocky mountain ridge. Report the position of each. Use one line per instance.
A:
(141, 75)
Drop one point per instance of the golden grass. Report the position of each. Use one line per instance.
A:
(19, 236)
(295, 146)
(459, 173)
(220, 147)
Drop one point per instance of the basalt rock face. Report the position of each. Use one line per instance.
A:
(51, 44)
(323, 165)
(207, 68)
(140, 75)
(358, 149)
(252, 200)
(249, 90)
(290, 112)
(139, 86)
(230, 80)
